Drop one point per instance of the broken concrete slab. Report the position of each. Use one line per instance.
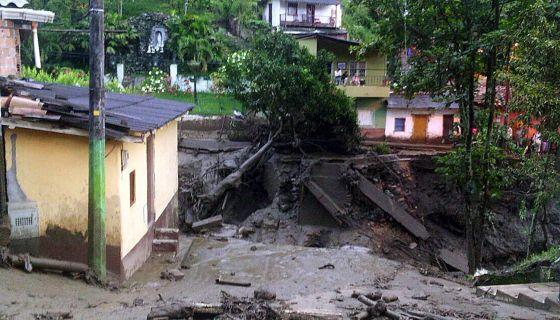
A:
(544, 296)
(211, 222)
(334, 208)
(377, 196)
(456, 260)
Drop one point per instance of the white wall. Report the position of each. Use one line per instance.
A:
(390, 124)
(323, 12)
(434, 129)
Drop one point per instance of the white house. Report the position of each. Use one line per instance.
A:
(419, 120)
(303, 14)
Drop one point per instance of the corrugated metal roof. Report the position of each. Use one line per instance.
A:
(124, 113)
(16, 3)
(421, 101)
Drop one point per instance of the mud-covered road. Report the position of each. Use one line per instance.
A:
(291, 272)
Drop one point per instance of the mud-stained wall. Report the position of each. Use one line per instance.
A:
(166, 166)
(134, 218)
(52, 171)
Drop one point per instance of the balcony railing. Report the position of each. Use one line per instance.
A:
(362, 81)
(305, 20)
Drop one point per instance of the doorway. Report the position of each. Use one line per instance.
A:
(420, 128)
(447, 127)
(311, 14)
(270, 13)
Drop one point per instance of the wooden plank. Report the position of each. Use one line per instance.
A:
(327, 202)
(396, 211)
(214, 221)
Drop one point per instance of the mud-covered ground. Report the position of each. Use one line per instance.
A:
(292, 272)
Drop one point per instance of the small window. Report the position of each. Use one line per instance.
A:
(132, 187)
(292, 8)
(399, 124)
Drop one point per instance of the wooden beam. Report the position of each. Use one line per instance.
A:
(395, 210)
(42, 126)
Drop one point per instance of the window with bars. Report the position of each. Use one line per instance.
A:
(399, 124)
(292, 8)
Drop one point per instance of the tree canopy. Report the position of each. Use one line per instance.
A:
(292, 89)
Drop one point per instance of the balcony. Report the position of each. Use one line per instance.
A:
(368, 86)
(307, 21)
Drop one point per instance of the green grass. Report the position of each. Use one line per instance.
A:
(550, 255)
(210, 104)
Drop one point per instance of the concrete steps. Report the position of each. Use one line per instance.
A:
(165, 240)
(542, 296)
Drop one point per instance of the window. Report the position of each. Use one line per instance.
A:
(399, 124)
(292, 8)
(132, 179)
(358, 67)
(341, 65)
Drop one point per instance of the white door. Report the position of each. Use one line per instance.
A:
(365, 118)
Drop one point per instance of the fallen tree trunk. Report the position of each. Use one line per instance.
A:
(233, 180)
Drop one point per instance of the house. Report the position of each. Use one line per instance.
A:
(304, 16)
(46, 151)
(17, 22)
(365, 78)
(420, 119)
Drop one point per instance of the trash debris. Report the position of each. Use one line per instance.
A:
(211, 222)
(53, 316)
(390, 298)
(327, 266)
(230, 281)
(244, 231)
(262, 294)
(172, 275)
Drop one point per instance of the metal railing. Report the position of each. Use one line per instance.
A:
(305, 20)
(367, 80)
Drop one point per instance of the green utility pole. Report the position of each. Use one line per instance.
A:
(96, 196)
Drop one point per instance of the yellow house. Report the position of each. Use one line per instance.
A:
(46, 152)
(362, 77)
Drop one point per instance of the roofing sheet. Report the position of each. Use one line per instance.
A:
(422, 101)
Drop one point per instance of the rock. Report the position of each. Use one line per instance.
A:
(245, 231)
(172, 274)
(253, 248)
(374, 296)
(390, 298)
(412, 245)
(138, 302)
(261, 294)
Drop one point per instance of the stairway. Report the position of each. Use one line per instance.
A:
(165, 240)
(542, 296)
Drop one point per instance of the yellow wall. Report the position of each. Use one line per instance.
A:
(134, 219)
(166, 166)
(310, 45)
(52, 170)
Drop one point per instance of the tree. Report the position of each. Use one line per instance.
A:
(450, 46)
(536, 81)
(194, 41)
(292, 89)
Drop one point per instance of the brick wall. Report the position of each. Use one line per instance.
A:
(10, 60)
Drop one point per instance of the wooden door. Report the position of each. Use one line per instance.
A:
(311, 13)
(419, 128)
(447, 127)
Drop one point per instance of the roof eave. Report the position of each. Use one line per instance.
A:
(26, 15)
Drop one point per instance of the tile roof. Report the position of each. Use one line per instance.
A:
(16, 3)
(420, 101)
(125, 114)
